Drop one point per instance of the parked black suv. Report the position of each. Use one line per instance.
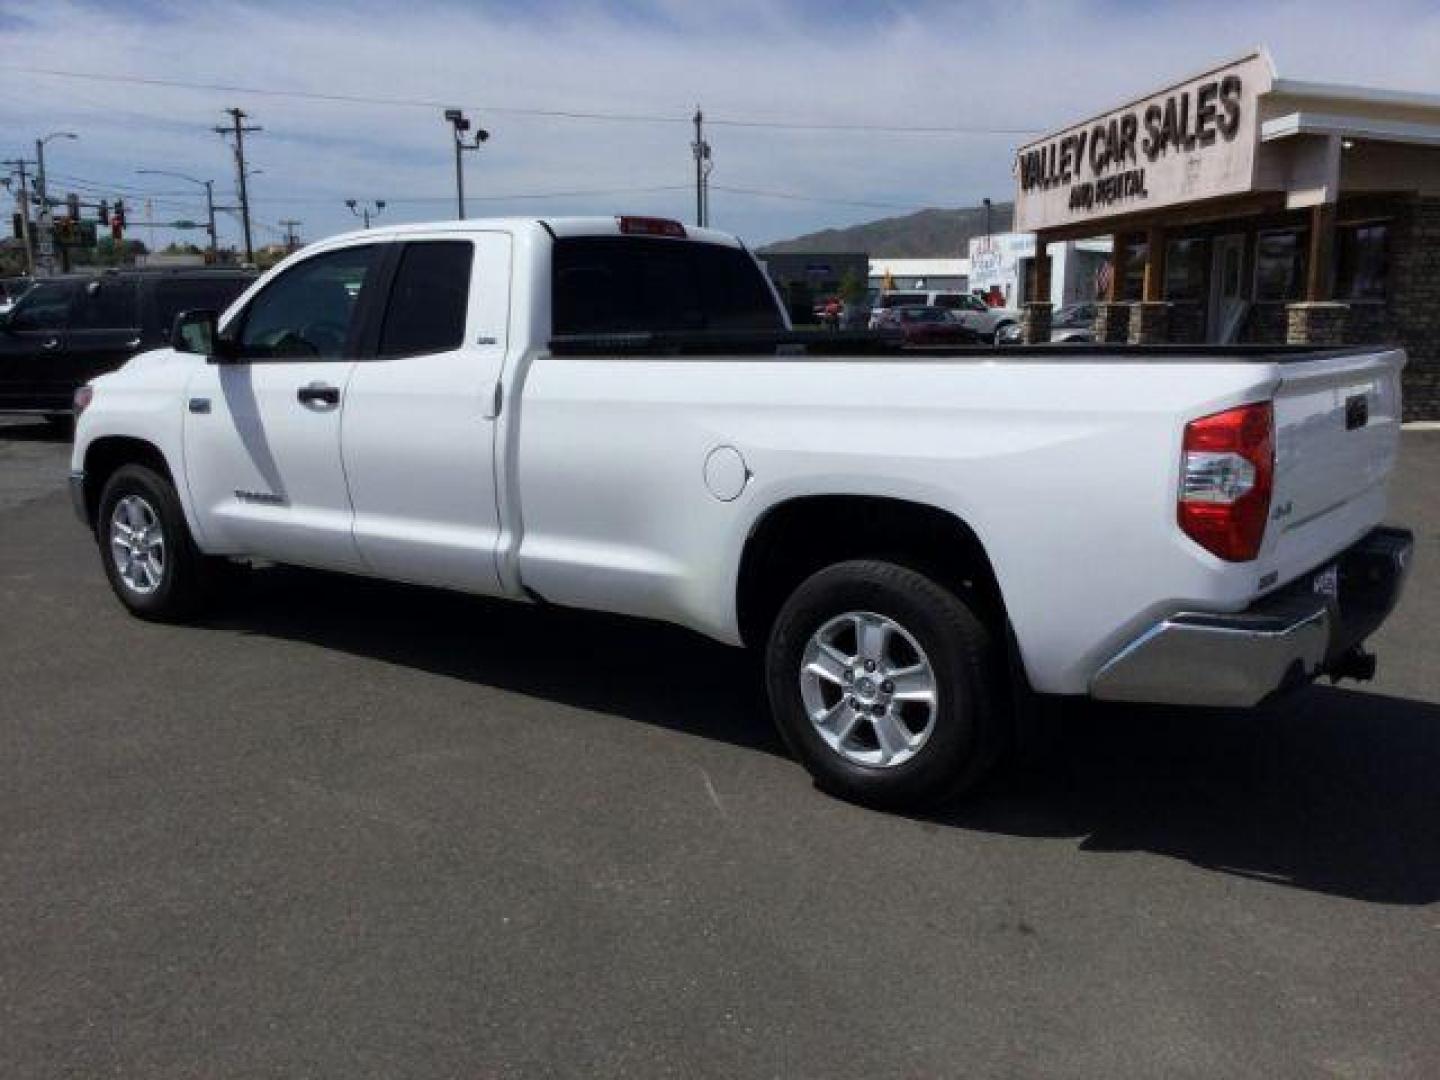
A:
(66, 330)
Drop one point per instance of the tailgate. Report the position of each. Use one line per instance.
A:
(1337, 432)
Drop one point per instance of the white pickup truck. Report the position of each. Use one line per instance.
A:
(613, 414)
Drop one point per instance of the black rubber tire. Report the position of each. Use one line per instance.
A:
(967, 738)
(999, 329)
(187, 578)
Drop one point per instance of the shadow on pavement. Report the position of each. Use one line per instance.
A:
(26, 429)
(1334, 791)
(644, 671)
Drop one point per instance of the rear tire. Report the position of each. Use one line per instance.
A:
(884, 685)
(149, 556)
(995, 338)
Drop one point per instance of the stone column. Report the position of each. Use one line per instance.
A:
(1112, 322)
(1317, 323)
(1149, 323)
(1035, 323)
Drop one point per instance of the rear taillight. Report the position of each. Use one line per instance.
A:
(1227, 470)
(81, 401)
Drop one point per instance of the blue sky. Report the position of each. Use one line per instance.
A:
(1017, 66)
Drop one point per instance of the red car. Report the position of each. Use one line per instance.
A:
(921, 325)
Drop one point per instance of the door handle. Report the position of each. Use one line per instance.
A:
(318, 394)
(50, 343)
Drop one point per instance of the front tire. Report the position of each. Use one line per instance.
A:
(883, 684)
(150, 558)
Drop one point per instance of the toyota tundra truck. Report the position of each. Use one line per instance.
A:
(614, 414)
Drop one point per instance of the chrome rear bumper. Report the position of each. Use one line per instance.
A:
(1286, 639)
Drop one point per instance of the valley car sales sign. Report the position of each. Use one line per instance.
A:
(1195, 140)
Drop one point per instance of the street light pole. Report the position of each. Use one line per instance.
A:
(363, 211)
(459, 125)
(209, 186)
(45, 265)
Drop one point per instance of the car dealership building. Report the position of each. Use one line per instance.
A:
(1247, 208)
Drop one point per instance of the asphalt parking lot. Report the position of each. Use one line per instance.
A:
(347, 829)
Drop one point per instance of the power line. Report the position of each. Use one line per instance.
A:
(511, 197)
(512, 110)
(797, 197)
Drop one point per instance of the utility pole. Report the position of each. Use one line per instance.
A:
(45, 264)
(364, 210)
(238, 128)
(292, 234)
(459, 125)
(19, 166)
(701, 149)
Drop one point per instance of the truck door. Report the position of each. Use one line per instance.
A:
(31, 343)
(262, 431)
(419, 427)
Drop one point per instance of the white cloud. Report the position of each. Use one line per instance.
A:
(1027, 65)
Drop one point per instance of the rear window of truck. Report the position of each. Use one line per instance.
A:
(622, 284)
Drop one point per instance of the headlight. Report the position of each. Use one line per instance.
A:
(81, 401)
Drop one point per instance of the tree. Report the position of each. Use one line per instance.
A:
(853, 288)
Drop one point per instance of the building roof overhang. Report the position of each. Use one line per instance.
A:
(1350, 126)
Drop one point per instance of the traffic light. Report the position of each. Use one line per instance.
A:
(103, 212)
(18, 224)
(72, 206)
(117, 221)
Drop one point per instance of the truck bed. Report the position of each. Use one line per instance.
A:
(869, 343)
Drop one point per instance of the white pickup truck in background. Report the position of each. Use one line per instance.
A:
(613, 414)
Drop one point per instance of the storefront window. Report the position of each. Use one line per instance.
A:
(1135, 252)
(1362, 261)
(1280, 263)
(1185, 262)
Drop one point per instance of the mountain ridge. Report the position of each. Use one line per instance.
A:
(935, 233)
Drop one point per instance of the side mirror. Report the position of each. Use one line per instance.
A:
(196, 332)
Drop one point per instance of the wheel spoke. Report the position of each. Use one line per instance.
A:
(829, 663)
(839, 720)
(914, 683)
(872, 636)
(890, 734)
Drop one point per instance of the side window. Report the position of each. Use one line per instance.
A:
(106, 304)
(429, 298)
(44, 307)
(308, 312)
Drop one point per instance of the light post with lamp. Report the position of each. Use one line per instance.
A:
(209, 186)
(460, 125)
